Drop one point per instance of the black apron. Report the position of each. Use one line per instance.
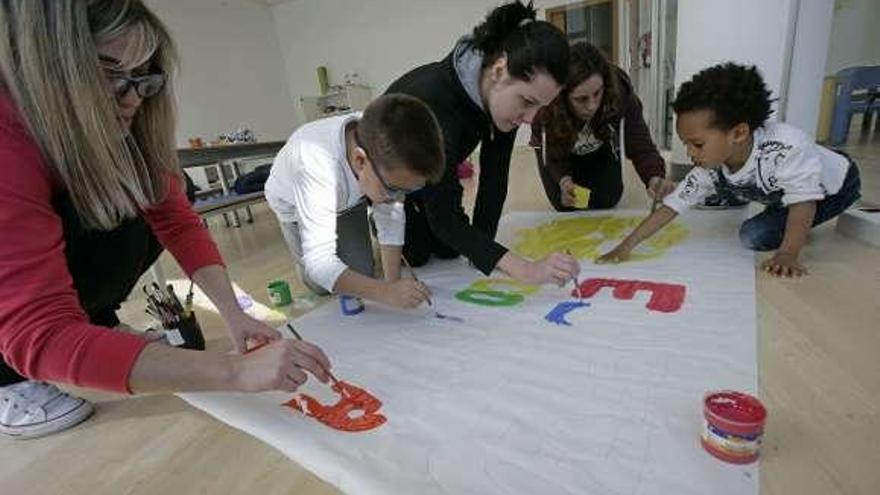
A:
(104, 265)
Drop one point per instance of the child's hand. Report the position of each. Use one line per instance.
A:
(406, 293)
(616, 255)
(566, 192)
(783, 265)
(659, 188)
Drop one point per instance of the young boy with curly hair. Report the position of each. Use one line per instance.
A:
(722, 115)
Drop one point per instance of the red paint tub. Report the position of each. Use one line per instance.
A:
(733, 426)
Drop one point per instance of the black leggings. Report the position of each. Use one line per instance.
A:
(599, 171)
(421, 242)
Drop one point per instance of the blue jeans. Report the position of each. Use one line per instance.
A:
(766, 230)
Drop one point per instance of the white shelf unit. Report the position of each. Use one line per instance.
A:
(339, 100)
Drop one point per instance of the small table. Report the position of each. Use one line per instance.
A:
(232, 155)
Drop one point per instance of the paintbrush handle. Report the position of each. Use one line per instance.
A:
(299, 337)
(264, 344)
(406, 264)
(294, 332)
(415, 277)
(574, 278)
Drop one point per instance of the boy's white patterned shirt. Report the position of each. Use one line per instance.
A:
(785, 167)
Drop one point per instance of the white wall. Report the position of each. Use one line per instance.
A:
(378, 39)
(232, 73)
(786, 39)
(808, 64)
(855, 38)
(744, 31)
(246, 64)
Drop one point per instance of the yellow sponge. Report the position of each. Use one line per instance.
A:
(581, 197)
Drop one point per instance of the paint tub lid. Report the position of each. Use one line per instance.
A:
(736, 412)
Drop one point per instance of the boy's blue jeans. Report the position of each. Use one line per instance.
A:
(766, 230)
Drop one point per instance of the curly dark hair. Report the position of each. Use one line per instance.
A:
(734, 93)
(559, 120)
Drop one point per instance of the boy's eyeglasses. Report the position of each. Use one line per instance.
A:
(392, 191)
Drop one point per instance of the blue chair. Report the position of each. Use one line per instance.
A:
(858, 91)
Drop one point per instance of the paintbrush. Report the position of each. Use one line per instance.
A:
(655, 200)
(299, 337)
(577, 284)
(437, 314)
(175, 302)
(332, 378)
(189, 300)
(415, 277)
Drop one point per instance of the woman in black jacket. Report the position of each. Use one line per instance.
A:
(493, 81)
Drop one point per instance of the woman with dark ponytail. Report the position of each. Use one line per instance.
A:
(577, 138)
(493, 80)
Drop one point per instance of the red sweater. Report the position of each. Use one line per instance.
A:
(44, 332)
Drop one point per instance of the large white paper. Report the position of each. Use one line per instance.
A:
(509, 403)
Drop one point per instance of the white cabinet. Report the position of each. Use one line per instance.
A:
(340, 99)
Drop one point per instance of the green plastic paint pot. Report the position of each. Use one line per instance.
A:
(279, 293)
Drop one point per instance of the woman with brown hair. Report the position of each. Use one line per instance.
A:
(90, 190)
(577, 138)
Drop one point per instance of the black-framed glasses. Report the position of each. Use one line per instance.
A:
(145, 86)
(392, 191)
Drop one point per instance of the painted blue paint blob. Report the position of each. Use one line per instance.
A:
(351, 305)
(557, 314)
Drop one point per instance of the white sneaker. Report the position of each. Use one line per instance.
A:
(32, 409)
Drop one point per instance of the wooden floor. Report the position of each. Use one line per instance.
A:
(819, 370)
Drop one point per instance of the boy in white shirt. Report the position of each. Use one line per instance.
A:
(331, 172)
(737, 155)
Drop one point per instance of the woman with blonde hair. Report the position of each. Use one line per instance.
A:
(89, 182)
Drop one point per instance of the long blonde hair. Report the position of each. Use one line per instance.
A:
(49, 67)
